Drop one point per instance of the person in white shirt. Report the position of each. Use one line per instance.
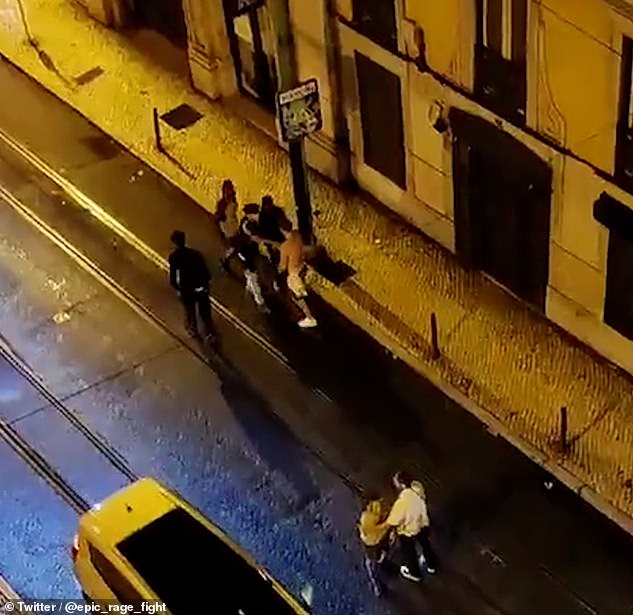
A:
(410, 518)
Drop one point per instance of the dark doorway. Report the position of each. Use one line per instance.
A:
(377, 21)
(253, 54)
(502, 207)
(381, 119)
(618, 304)
(166, 17)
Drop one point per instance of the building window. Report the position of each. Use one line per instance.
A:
(379, 91)
(500, 57)
(618, 303)
(624, 137)
(376, 19)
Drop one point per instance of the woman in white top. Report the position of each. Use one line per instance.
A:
(410, 518)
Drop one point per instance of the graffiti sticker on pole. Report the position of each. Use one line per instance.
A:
(299, 111)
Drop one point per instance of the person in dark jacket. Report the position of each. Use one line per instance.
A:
(270, 222)
(247, 246)
(189, 275)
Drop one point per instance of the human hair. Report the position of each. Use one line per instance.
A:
(251, 208)
(178, 238)
(267, 201)
(369, 497)
(227, 186)
(403, 477)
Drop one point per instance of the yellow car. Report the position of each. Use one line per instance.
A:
(145, 544)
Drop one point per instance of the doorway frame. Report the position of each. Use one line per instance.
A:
(472, 133)
(260, 58)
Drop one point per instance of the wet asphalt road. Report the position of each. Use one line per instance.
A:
(170, 416)
(273, 455)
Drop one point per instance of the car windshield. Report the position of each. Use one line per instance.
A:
(187, 566)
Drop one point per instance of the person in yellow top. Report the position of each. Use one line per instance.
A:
(375, 538)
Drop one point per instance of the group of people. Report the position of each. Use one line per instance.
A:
(266, 229)
(256, 230)
(406, 526)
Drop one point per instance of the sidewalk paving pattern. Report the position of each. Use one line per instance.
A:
(516, 369)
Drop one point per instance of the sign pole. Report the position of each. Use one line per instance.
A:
(296, 150)
(287, 69)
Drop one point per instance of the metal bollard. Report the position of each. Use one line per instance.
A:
(563, 430)
(159, 145)
(434, 341)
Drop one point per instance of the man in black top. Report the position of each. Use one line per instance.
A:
(189, 275)
(271, 219)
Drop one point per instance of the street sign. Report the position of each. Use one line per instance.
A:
(239, 7)
(299, 110)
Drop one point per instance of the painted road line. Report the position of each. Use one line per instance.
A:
(99, 213)
(91, 268)
(129, 237)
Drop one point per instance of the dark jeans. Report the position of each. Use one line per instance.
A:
(197, 303)
(273, 255)
(410, 554)
(374, 556)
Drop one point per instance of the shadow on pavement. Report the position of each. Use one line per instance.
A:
(273, 440)
(336, 358)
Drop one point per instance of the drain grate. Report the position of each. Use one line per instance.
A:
(335, 272)
(181, 117)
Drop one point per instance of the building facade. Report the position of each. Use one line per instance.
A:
(503, 129)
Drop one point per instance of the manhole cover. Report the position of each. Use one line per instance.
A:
(335, 272)
(181, 117)
(89, 75)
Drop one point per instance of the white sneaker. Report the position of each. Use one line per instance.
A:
(404, 571)
(307, 323)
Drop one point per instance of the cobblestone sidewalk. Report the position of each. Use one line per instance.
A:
(507, 366)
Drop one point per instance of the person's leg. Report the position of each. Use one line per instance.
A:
(273, 255)
(303, 306)
(372, 567)
(189, 304)
(253, 287)
(299, 293)
(230, 249)
(411, 567)
(204, 310)
(430, 557)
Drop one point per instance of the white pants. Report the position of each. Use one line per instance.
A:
(252, 286)
(296, 285)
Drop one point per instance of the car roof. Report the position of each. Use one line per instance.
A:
(128, 514)
(127, 511)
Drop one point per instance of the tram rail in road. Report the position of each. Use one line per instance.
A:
(35, 460)
(152, 256)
